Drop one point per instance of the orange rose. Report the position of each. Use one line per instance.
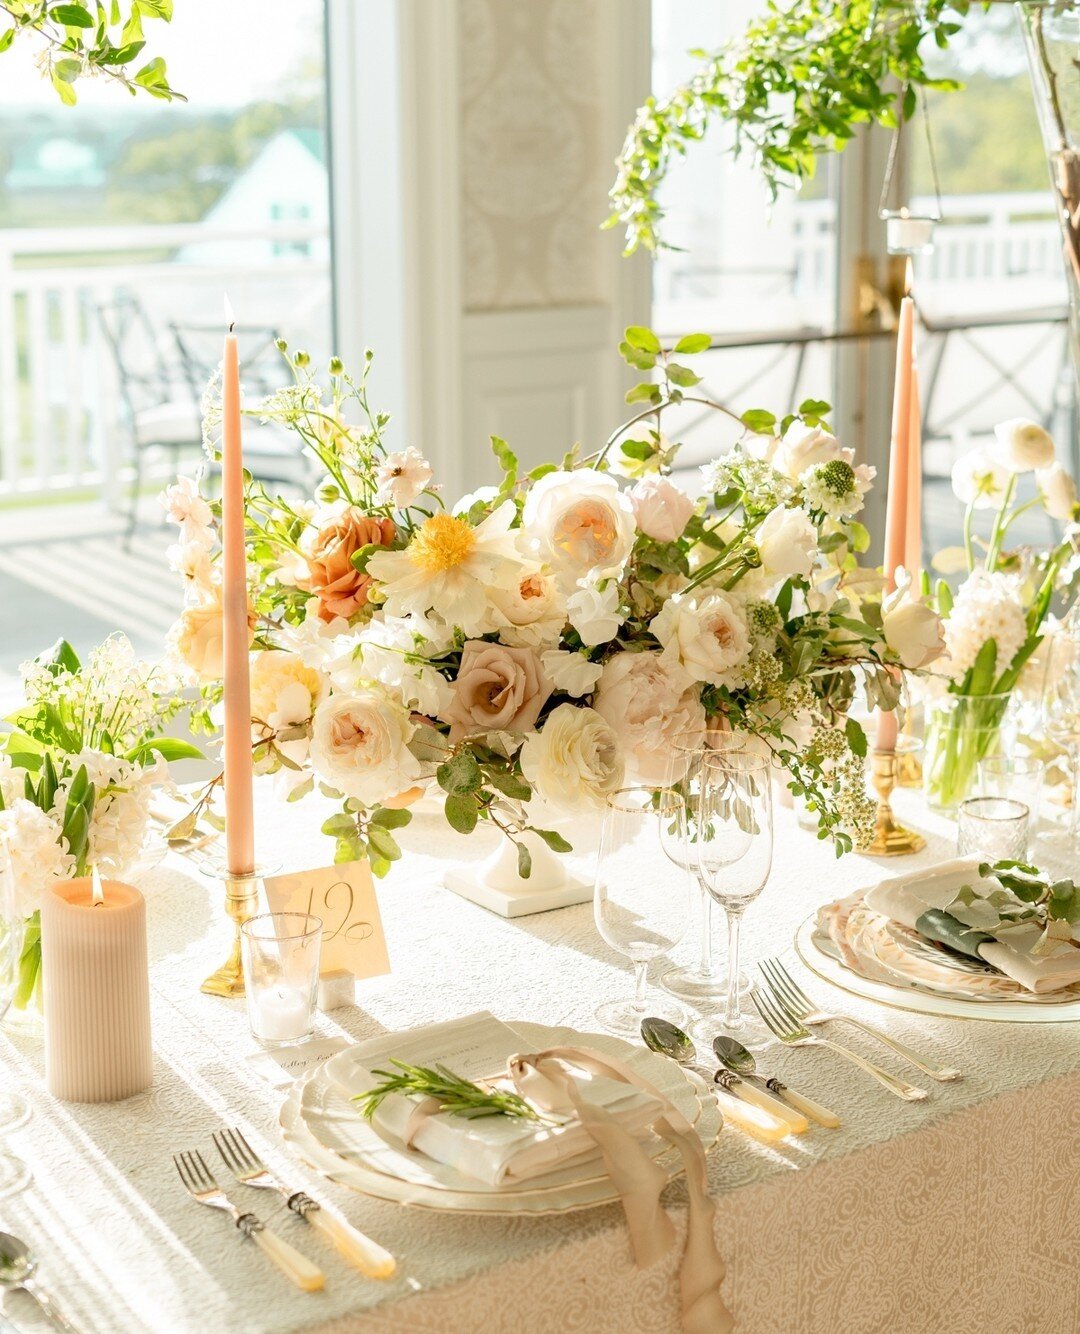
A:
(341, 588)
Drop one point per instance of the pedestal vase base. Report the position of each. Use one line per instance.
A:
(496, 885)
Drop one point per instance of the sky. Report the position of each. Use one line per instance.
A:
(221, 53)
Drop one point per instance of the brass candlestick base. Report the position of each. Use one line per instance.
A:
(241, 902)
(890, 839)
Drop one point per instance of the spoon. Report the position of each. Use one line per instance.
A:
(667, 1039)
(734, 1055)
(17, 1269)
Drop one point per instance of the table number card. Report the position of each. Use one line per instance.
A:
(344, 898)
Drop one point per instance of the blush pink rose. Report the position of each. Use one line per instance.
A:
(661, 509)
(498, 689)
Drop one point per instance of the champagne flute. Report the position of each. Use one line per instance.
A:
(735, 848)
(14, 1110)
(1061, 712)
(705, 980)
(641, 909)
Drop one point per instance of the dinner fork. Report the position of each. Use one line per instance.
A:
(794, 1034)
(797, 1003)
(245, 1164)
(201, 1185)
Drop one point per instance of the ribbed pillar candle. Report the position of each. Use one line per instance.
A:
(96, 992)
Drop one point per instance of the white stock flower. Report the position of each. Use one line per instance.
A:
(533, 608)
(401, 477)
(570, 673)
(594, 613)
(985, 607)
(705, 634)
(360, 747)
(787, 543)
(978, 480)
(648, 704)
(30, 848)
(1022, 446)
(386, 651)
(911, 628)
(185, 507)
(574, 762)
(1058, 492)
(579, 523)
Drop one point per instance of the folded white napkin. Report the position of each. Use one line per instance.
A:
(904, 899)
(494, 1149)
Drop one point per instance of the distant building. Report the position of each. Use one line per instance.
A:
(54, 163)
(286, 182)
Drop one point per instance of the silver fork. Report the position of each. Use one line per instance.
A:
(798, 1004)
(360, 1251)
(201, 1185)
(793, 1034)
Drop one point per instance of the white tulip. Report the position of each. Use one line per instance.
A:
(1058, 492)
(1021, 445)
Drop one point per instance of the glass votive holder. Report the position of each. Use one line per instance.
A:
(994, 827)
(281, 952)
(1020, 777)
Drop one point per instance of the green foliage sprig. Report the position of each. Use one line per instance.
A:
(797, 84)
(459, 1097)
(86, 38)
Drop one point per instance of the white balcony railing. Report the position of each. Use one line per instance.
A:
(62, 421)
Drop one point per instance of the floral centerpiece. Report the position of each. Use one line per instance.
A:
(548, 637)
(76, 773)
(996, 620)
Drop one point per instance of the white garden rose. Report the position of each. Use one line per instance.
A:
(661, 508)
(912, 629)
(574, 762)
(979, 480)
(30, 848)
(1022, 446)
(594, 613)
(648, 704)
(1058, 492)
(570, 673)
(805, 447)
(787, 543)
(580, 524)
(705, 634)
(360, 747)
(533, 608)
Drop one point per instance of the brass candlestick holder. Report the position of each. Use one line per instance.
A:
(890, 838)
(241, 902)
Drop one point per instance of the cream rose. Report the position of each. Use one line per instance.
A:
(1021, 445)
(1058, 492)
(978, 480)
(707, 635)
(360, 746)
(662, 509)
(787, 543)
(912, 630)
(532, 607)
(648, 704)
(197, 637)
(498, 689)
(579, 523)
(805, 447)
(574, 762)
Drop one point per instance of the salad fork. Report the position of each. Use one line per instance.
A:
(798, 1004)
(201, 1185)
(360, 1251)
(794, 1034)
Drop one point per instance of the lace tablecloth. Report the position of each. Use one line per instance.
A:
(957, 1214)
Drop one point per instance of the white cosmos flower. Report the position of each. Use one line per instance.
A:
(402, 476)
(1021, 445)
(360, 747)
(191, 561)
(185, 507)
(580, 524)
(570, 673)
(978, 480)
(450, 568)
(594, 613)
(574, 762)
(705, 634)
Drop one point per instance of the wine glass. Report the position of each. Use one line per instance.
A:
(1061, 711)
(703, 981)
(14, 1110)
(641, 908)
(735, 848)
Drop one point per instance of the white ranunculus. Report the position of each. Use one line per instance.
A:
(360, 746)
(705, 634)
(648, 704)
(787, 543)
(912, 629)
(533, 608)
(579, 523)
(1022, 446)
(1058, 492)
(574, 762)
(979, 480)
(30, 848)
(805, 447)
(570, 673)
(594, 613)
(661, 508)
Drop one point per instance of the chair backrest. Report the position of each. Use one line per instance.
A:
(199, 347)
(144, 375)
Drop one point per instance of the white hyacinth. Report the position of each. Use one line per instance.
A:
(986, 607)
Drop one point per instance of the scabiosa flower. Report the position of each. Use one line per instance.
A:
(837, 488)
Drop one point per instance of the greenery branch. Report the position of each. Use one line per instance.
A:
(457, 1096)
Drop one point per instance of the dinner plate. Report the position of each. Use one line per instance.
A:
(375, 1166)
(889, 987)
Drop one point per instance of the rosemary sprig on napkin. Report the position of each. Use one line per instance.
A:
(459, 1097)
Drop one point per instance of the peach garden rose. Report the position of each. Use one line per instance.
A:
(341, 588)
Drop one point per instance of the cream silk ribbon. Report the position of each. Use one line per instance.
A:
(544, 1080)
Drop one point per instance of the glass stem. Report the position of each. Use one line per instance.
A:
(708, 963)
(640, 973)
(733, 1010)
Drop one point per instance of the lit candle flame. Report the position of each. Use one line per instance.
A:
(97, 894)
(230, 317)
(909, 276)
